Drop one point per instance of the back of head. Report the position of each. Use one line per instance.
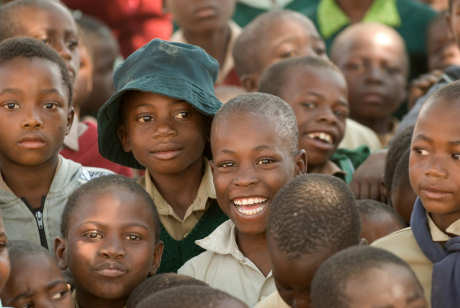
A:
(448, 94)
(190, 297)
(313, 212)
(372, 208)
(271, 107)
(101, 185)
(159, 283)
(275, 77)
(328, 285)
(247, 46)
(18, 249)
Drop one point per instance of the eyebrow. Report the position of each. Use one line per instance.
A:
(423, 137)
(10, 90)
(50, 91)
(55, 283)
(129, 224)
(319, 95)
(30, 293)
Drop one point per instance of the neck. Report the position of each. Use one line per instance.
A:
(444, 221)
(317, 168)
(180, 189)
(87, 300)
(356, 9)
(31, 183)
(215, 42)
(254, 247)
(379, 126)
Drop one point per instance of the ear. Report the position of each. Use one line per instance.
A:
(124, 139)
(60, 251)
(250, 82)
(301, 162)
(157, 254)
(70, 116)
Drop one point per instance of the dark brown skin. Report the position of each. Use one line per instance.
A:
(356, 10)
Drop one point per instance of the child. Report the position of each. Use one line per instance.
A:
(429, 244)
(310, 219)
(159, 118)
(36, 280)
(36, 92)
(191, 297)
(278, 35)
(317, 91)
(159, 283)
(377, 219)
(5, 266)
(255, 152)
(366, 277)
(209, 26)
(374, 61)
(110, 240)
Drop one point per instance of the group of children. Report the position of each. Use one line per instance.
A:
(246, 201)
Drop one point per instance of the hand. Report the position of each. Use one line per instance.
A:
(367, 182)
(421, 85)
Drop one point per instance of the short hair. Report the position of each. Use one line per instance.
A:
(22, 47)
(401, 173)
(274, 78)
(313, 212)
(398, 145)
(100, 185)
(160, 282)
(271, 107)
(328, 285)
(449, 93)
(373, 208)
(190, 296)
(20, 248)
(247, 46)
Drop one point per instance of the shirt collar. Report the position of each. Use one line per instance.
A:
(331, 18)
(437, 235)
(332, 169)
(205, 191)
(76, 130)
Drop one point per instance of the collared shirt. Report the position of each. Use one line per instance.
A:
(272, 301)
(76, 130)
(223, 266)
(331, 18)
(357, 135)
(403, 244)
(228, 64)
(177, 227)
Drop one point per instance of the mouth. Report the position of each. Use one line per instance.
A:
(166, 152)
(373, 98)
(205, 12)
(32, 143)
(322, 137)
(434, 193)
(250, 206)
(111, 270)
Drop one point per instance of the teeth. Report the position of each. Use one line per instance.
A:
(250, 212)
(325, 137)
(249, 201)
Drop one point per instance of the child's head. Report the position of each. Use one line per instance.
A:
(36, 280)
(438, 5)
(365, 276)
(310, 219)
(377, 219)
(159, 283)
(442, 48)
(271, 37)
(317, 91)
(255, 152)
(47, 21)
(191, 297)
(104, 51)
(160, 115)
(199, 17)
(434, 167)
(454, 20)
(374, 61)
(5, 266)
(110, 238)
(35, 95)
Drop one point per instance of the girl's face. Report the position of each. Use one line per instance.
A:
(4, 259)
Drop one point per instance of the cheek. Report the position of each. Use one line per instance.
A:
(4, 268)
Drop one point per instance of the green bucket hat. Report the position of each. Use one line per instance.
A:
(176, 70)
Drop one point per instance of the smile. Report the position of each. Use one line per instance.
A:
(322, 137)
(250, 206)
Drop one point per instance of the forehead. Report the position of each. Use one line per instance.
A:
(373, 43)
(39, 265)
(49, 17)
(439, 118)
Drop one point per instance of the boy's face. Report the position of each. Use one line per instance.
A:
(319, 99)
(441, 47)
(35, 114)
(376, 73)
(251, 163)
(389, 286)
(54, 26)
(453, 18)
(201, 15)
(4, 258)
(377, 226)
(110, 246)
(293, 276)
(434, 163)
(286, 38)
(38, 282)
(165, 135)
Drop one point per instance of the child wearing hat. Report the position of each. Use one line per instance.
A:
(159, 119)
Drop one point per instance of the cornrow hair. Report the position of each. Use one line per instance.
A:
(312, 212)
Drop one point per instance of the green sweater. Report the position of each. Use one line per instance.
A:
(176, 253)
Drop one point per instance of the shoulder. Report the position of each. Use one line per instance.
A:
(197, 266)
(274, 300)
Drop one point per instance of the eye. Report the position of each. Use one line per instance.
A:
(265, 161)
(354, 66)
(50, 106)
(133, 237)
(393, 70)
(72, 44)
(143, 118)
(287, 54)
(182, 115)
(61, 293)
(320, 51)
(93, 235)
(456, 156)
(11, 105)
(420, 151)
(341, 114)
(226, 164)
(309, 105)
(26, 305)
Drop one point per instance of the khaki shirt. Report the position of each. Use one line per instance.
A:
(223, 266)
(357, 135)
(272, 301)
(235, 31)
(403, 244)
(179, 228)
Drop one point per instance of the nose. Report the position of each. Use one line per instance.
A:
(435, 168)
(32, 119)
(246, 176)
(326, 114)
(164, 128)
(63, 50)
(112, 247)
(374, 74)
